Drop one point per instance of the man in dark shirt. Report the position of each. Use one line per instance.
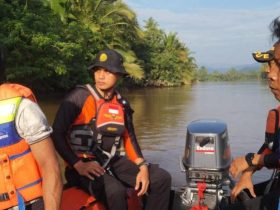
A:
(269, 154)
(89, 128)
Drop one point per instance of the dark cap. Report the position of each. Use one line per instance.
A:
(109, 59)
(264, 57)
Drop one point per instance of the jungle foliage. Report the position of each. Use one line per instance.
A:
(232, 74)
(49, 43)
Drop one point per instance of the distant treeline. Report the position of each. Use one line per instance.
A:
(48, 44)
(232, 74)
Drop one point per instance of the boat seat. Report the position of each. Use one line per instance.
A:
(74, 198)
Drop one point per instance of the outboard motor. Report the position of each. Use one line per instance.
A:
(206, 162)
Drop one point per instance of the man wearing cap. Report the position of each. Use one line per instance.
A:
(91, 125)
(269, 154)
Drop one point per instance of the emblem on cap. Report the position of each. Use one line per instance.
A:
(264, 57)
(103, 57)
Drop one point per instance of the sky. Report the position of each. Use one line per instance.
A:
(219, 33)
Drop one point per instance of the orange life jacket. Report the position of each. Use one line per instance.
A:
(109, 122)
(272, 129)
(20, 179)
(99, 116)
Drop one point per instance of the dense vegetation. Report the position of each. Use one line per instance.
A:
(49, 43)
(232, 74)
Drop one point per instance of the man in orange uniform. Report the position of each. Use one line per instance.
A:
(29, 172)
(91, 124)
(269, 154)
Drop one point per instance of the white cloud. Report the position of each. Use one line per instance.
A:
(218, 37)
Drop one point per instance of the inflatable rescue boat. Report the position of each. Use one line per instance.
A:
(206, 163)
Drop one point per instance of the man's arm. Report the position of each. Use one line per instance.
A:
(239, 164)
(46, 158)
(134, 152)
(262, 158)
(68, 111)
(32, 125)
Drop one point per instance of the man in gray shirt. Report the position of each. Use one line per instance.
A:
(30, 176)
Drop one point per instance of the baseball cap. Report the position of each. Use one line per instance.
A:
(264, 57)
(109, 59)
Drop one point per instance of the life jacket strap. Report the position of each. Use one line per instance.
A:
(4, 197)
(21, 204)
(26, 204)
(92, 91)
(271, 139)
(12, 157)
(30, 184)
(99, 139)
(117, 141)
(109, 155)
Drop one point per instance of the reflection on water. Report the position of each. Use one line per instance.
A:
(158, 115)
(162, 115)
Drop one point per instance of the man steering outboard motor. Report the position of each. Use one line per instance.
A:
(206, 162)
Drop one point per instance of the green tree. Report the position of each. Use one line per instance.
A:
(112, 23)
(50, 42)
(202, 74)
(168, 61)
(42, 53)
(232, 75)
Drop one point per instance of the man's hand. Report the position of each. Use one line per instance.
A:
(89, 169)
(244, 182)
(237, 166)
(142, 180)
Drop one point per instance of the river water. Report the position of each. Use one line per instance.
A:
(162, 115)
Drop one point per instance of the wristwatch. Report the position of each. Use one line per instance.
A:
(249, 159)
(144, 162)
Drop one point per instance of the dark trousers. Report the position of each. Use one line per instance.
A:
(111, 188)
